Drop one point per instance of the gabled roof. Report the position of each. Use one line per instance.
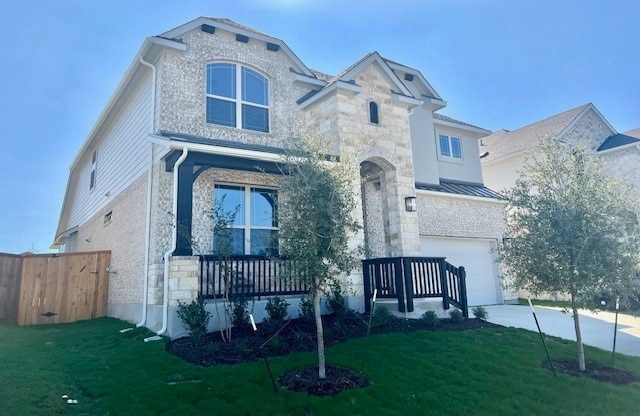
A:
(446, 120)
(234, 27)
(505, 143)
(617, 140)
(421, 79)
(349, 74)
(346, 79)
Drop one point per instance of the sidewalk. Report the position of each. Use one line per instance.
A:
(597, 328)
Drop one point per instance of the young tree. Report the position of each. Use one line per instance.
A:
(572, 230)
(315, 214)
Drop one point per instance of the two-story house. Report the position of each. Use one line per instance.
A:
(205, 111)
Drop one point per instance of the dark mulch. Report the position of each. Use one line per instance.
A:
(306, 380)
(296, 336)
(593, 370)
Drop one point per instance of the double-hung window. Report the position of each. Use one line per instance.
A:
(254, 229)
(450, 146)
(237, 97)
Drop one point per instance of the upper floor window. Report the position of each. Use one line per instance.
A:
(373, 113)
(92, 178)
(237, 97)
(450, 146)
(254, 229)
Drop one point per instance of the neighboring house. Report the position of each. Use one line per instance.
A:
(583, 126)
(508, 151)
(206, 109)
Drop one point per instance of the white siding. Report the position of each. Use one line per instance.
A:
(122, 156)
(502, 175)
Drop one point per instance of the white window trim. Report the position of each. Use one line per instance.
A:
(450, 158)
(238, 100)
(247, 227)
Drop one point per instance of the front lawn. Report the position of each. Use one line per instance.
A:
(490, 371)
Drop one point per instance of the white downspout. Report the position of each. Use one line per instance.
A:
(147, 242)
(174, 240)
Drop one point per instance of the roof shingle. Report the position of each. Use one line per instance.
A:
(505, 143)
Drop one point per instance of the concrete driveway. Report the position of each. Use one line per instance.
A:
(597, 328)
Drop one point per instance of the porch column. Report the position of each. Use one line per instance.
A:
(184, 209)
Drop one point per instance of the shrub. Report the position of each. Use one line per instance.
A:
(431, 319)
(381, 317)
(239, 311)
(277, 308)
(195, 318)
(480, 312)
(306, 308)
(456, 316)
(335, 300)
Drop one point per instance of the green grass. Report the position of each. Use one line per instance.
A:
(480, 372)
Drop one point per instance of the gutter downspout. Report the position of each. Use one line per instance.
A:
(147, 242)
(174, 241)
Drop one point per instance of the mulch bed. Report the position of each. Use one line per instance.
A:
(296, 336)
(337, 379)
(277, 338)
(593, 370)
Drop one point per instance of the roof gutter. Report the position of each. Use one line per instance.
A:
(619, 148)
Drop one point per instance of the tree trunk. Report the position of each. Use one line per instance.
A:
(576, 324)
(322, 372)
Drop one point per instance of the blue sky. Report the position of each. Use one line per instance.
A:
(498, 63)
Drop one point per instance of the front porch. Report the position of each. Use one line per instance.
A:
(257, 277)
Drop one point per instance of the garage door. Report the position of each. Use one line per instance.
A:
(477, 258)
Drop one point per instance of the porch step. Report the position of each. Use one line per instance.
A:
(420, 306)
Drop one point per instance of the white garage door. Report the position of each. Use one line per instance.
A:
(477, 258)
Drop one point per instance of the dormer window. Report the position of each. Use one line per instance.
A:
(237, 97)
(450, 147)
(373, 113)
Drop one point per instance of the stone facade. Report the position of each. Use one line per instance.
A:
(623, 165)
(183, 80)
(456, 217)
(380, 155)
(589, 131)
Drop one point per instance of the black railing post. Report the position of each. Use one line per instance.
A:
(366, 277)
(408, 282)
(397, 265)
(462, 274)
(444, 286)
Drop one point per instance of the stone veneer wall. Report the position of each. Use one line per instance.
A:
(183, 78)
(589, 131)
(457, 217)
(623, 165)
(124, 236)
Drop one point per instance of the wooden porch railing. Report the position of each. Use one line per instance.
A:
(249, 276)
(406, 278)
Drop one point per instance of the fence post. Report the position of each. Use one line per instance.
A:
(444, 284)
(408, 282)
(397, 266)
(463, 291)
(366, 276)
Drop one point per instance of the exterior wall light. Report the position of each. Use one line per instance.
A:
(411, 204)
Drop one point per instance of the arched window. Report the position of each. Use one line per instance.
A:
(237, 97)
(373, 112)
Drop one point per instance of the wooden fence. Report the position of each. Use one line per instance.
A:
(57, 288)
(10, 272)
